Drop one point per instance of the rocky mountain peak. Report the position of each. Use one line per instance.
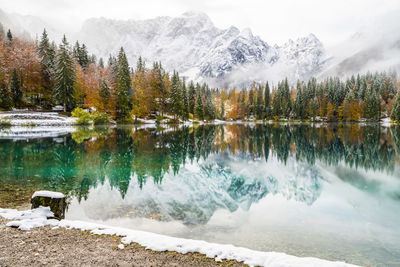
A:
(194, 46)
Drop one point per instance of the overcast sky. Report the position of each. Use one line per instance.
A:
(274, 20)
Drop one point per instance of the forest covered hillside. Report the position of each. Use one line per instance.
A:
(41, 74)
(192, 45)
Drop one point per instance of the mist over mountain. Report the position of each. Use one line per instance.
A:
(374, 47)
(198, 50)
(27, 26)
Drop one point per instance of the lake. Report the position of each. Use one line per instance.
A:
(327, 191)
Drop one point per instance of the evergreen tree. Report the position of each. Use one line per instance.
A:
(199, 109)
(83, 56)
(251, 102)
(363, 88)
(267, 101)
(192, 97)
(299, 102)
(313, 108)
(176, 95)
(259, 103)
(371, 104)
(47, 57)
(285, 98)
(64, 77)
(387, 89)
(160, 92)
(395, 115)
(123, 88)
(311, 89)
(9, 36)
(5, 96)
(321, 100)
(140, 65)
(105, 94)
(276, 102)
(209, 111)
(15, 87)
(76, 50)
(186, 106)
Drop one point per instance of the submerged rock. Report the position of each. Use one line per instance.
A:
(54, 200)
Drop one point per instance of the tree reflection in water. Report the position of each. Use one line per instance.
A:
(86, 158)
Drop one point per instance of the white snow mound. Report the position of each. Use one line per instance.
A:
(50, 194)
(26, 220)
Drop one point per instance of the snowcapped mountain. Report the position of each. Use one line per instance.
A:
(192, 45)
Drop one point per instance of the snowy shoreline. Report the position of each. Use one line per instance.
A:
(23, 125)
(29, 219)
(27, 118)
(36, 119)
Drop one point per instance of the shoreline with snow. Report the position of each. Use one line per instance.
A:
(48, 246)
(37, 218)
(24, 125)
(32, 119)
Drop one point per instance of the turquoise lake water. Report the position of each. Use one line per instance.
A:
(331, 192)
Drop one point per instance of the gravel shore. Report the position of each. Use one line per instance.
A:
(62, 247)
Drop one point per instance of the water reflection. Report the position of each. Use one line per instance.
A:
(75, 163)
(329, 191)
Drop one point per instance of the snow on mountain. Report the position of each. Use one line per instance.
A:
(192, 45)
(196, 48)
(27, 26)
(305, 56)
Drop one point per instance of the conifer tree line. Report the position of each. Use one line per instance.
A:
(42, 74)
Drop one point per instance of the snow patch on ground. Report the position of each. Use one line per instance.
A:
(23, 118)
(26, 220)
(30, 125)
(145, 121)
(50, 194)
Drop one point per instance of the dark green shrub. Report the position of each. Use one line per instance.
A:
(101, 119)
